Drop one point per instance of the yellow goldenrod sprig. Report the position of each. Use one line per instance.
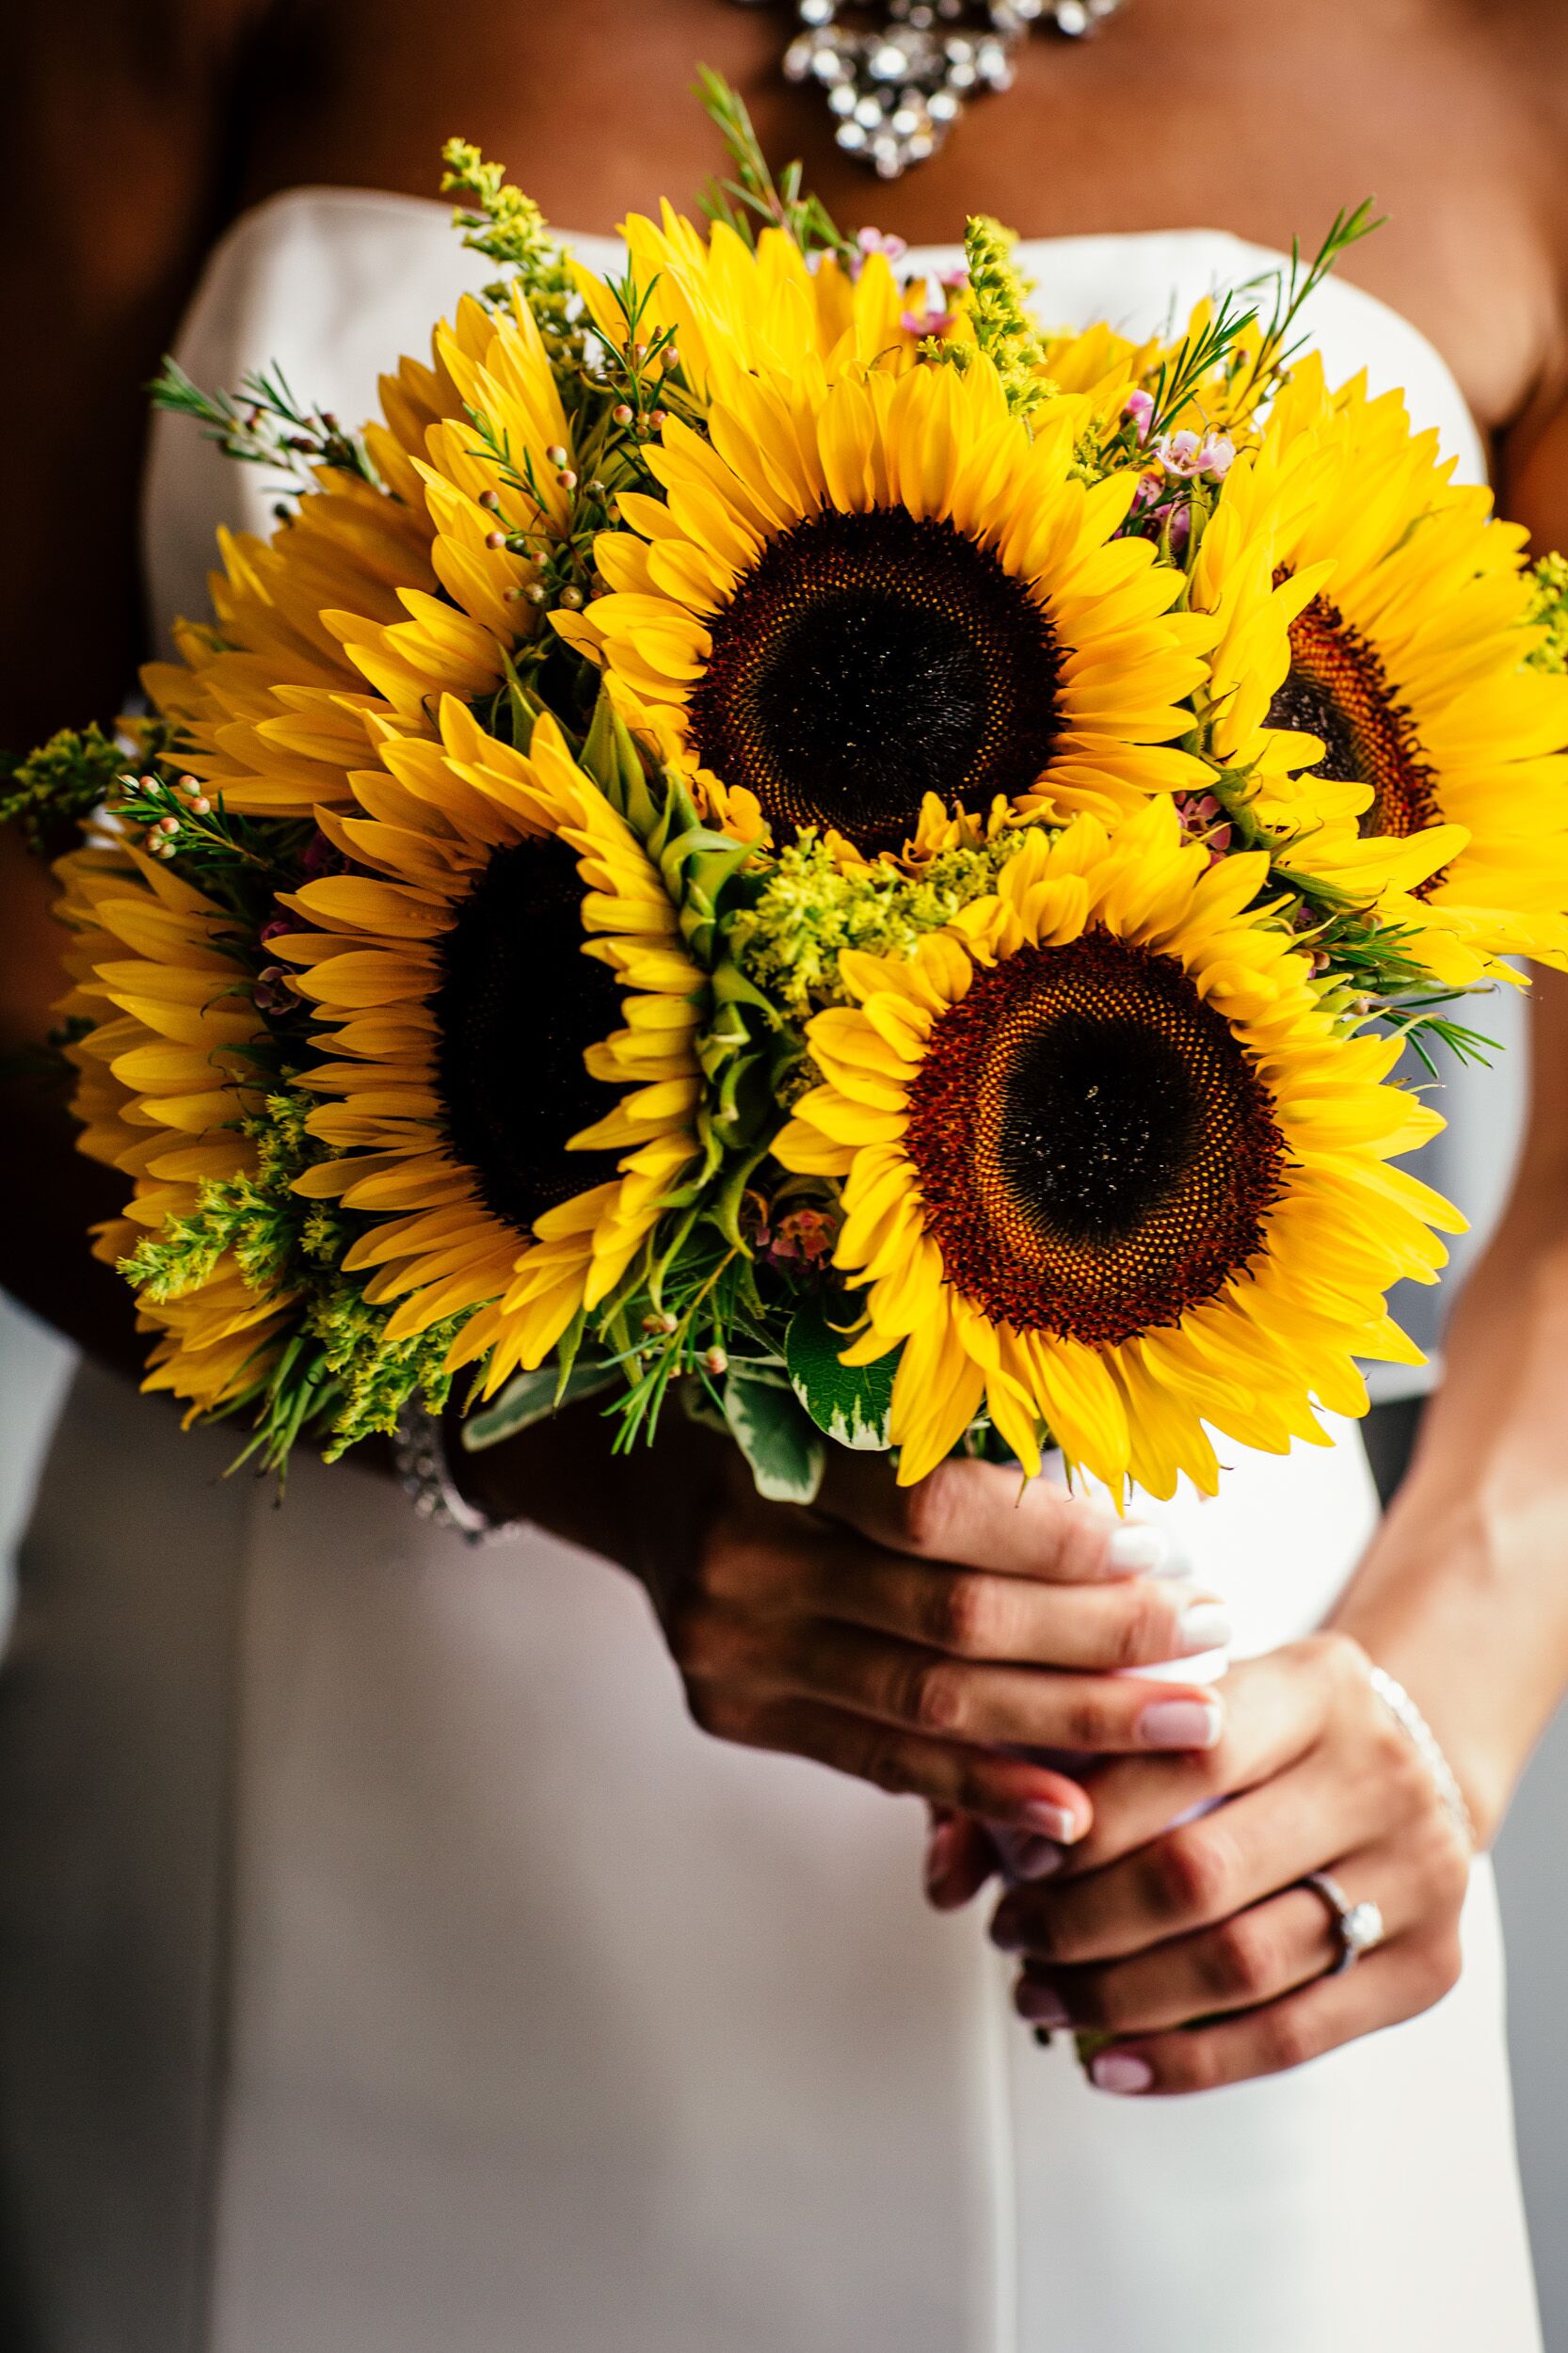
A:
(1000, 313)
(1549, 610)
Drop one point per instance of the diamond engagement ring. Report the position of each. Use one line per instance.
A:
(1359, 1926)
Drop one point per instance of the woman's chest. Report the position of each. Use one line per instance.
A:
(1262, 117)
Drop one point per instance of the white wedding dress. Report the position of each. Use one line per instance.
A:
(392, 1968)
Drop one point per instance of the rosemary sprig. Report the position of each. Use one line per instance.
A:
(1294, 289)
(264, 425)
(754, 193)
(1195, 359)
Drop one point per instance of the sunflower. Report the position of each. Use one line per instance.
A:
(1108, 1168)
(864, 592)
(371, 602)
(164, 1074)
(1374, 678)
(736, 310)
(473, 1044)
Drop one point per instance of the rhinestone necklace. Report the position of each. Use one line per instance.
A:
(898, 73)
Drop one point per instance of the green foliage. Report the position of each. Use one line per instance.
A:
(809, 909)
(256, 1217)
(851, 1402)
(753, 196)
(241, 862)
(337, 1377)
(530, 1397)
(369, 1379)
(1294, 289)
(1549, 610)
(264, 425)
(60, 786)
(779, 1441)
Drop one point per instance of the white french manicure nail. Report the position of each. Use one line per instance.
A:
(1182, 1724)
(1032, 1858)
(1055, 1822)
(1204, 1627)
(1140, 1551)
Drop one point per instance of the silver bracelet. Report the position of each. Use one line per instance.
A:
(426, 1478)
(1428, 1747)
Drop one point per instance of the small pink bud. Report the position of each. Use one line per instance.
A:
(1139, 412)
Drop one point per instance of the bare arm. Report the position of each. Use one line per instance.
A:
(1464, 1592)
(115, 130)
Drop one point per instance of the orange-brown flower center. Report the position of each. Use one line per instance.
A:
(867, 660)
(518, 1005)
(1095, 1152)
(1339, 691)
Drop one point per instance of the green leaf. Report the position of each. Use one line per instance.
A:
(852, 1402)
(787, 1456)
(611, 757)
(532, 1397)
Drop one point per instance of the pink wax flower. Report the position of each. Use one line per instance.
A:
(1189, 455)
(1179, 453)
(808, 1235)
(936, 318)
(878, 241)
(1139, 412)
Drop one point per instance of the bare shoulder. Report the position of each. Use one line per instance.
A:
(116, 123)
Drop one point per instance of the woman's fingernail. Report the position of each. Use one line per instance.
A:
(1137, 1550)
(1042, 2006)
(938, 1853)
(1034, 1858)
(1204, 1626)
(1051, 1821)
(1006, 1935)
(1118, 2070)
(1180, 1724)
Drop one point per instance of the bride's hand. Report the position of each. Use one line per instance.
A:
(905, 1635)
(1145, 1930)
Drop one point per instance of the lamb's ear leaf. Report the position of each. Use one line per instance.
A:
(852, 1402)
(786, 1454)
(532, 1397)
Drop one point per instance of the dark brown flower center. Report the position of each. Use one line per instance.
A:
(867, 660)
(1095, 1152)
(1339, 690)
(518, 1004)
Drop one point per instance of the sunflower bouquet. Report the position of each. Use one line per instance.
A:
(775, 831)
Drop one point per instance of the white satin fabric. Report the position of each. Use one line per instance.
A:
(399, 1968)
